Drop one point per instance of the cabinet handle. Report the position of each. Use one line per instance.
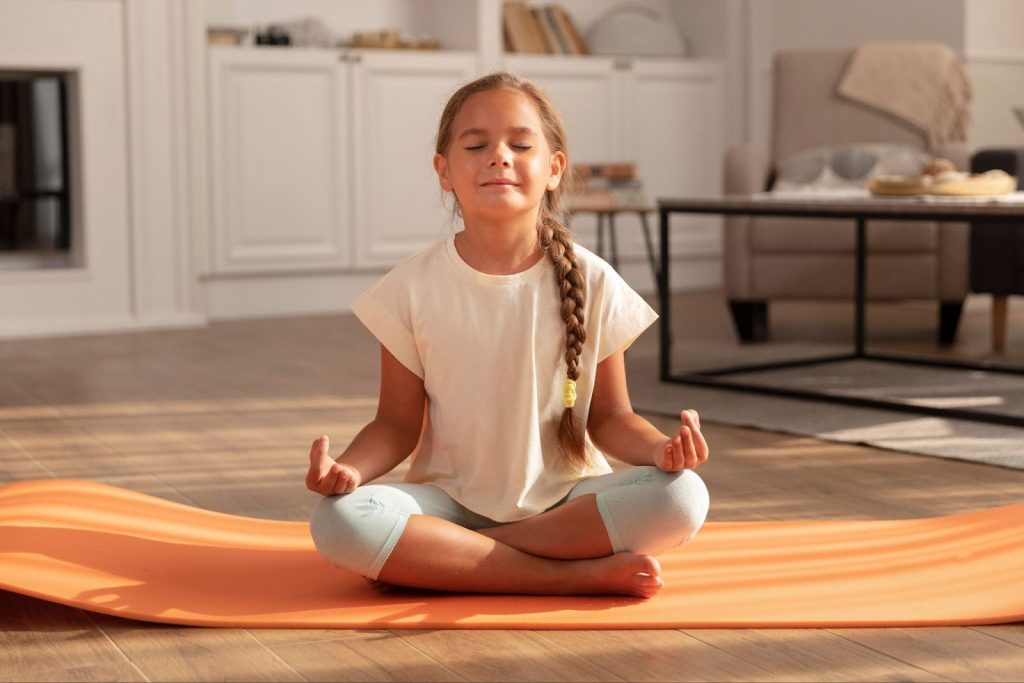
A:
(349, 58)
(622, 63)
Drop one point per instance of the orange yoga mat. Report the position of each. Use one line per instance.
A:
(128, 554)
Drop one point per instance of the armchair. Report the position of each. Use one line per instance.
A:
(774, 258)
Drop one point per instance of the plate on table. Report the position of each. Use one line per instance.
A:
(897, 185)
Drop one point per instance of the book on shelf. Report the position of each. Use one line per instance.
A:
(614, 170)
(540, 30)
(568, 29)
(549, 28)
(606, 186)
(521, 27)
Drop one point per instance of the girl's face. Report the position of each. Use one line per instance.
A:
(499, 164)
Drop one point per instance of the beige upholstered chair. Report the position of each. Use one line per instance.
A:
(782, 258)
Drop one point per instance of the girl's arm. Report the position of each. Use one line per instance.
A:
(619, 432)
(382, 444)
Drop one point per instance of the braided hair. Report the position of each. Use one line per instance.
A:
(555, 239)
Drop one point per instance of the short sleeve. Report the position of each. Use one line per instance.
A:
(384, 310)
(624, 315)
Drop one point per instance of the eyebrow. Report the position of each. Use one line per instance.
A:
(480, 131)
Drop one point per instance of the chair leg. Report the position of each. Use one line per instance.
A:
(998, 322)
(750, 319)
(949, 320)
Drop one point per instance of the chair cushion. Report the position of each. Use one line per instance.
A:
(846, 166)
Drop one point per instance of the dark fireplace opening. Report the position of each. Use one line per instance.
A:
(35, 192)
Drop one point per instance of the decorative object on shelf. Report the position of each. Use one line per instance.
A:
(541, 30)
(305, 32)
(606, 186)
(390, 39)
(227, 35)
(273, 35)
(636, 30)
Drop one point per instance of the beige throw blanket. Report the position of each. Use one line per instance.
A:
(924, 84)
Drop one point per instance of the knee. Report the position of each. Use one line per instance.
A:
(686, 503)
(357, 531)
(660, 511)
(331, 526)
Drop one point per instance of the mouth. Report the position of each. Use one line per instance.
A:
(500, 182)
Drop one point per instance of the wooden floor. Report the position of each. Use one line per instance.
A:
(222, 418)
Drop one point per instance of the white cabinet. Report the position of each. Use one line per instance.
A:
(397, 100)
(279, 145)
(323, 160)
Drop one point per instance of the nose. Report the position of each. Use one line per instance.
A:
(502, 156)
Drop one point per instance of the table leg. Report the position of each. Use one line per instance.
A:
(600, 234)
(859, 288)
(650, 246)
(613, 240)
(664, 301)
(998, 322)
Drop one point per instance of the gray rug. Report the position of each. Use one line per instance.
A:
(890, 429)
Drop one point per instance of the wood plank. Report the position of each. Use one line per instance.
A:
(656, 656)
(42, 641)
(959, 654)
(1010, 633)
(810, 655)
(504, 656)
(360, 656)
(186, 654)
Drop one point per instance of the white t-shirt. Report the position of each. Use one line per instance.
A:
(491, 352)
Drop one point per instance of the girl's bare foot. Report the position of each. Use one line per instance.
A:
(620, 574)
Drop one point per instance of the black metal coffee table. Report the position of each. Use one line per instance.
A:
(860, 210)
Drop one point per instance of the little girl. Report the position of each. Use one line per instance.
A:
(501, 371)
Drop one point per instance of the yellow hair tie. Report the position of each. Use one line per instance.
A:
(569, 393)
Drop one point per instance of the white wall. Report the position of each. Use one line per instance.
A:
(994, 49)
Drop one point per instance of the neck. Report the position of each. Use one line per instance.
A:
(499, 248)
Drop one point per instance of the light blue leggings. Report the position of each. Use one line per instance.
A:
(644, 510)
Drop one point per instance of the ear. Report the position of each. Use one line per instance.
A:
(441, 166)
(558, 164)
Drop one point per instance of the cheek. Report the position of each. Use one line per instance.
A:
(537, 169)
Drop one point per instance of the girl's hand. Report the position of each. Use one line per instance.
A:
(685, 449)
(327, 477)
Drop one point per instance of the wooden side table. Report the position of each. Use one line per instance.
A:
(606, 213)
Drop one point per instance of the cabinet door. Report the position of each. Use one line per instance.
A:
(397, 102)
(280, 181)
(676, 134)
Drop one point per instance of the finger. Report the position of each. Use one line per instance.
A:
(666, 458)
(320, 447)
(688, 447)
(677, 453)
(702, 448)
(329, 484)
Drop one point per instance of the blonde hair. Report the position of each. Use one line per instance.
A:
(555, 238)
